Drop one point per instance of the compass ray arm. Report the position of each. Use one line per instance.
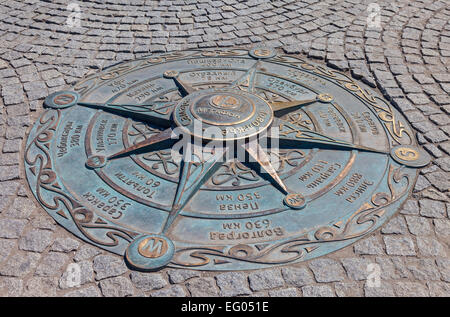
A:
(157, 112)
(185, 88)
(255, 150)
(192, 176)
(247, 79)
(294, 135)
(153, 140)
(289, 105)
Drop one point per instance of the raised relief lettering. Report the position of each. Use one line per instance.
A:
(257, 229)
(216, 62)
(365, 123)
(142, 184)
(213, 75)
(356, 186)
(145, 91)
(63, 141)
(75, 138)
(319, 173)
(285, 87)
(239, 202)
(103, 200)
(119, 85)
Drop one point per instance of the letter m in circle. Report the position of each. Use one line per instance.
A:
(152, 247)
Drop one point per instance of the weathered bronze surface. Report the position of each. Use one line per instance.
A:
(339, 161)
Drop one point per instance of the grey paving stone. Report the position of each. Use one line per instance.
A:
(368, 246)
(12, 228)
(317, 291)
(297, 277)
(10, 287)
(436, 136)
(172, 291)
(285, 292)
(6, 246)
(424, 269)
(396, 225)
(108, 266)
(442, 227)
(77, 274)
(421, 184)
(40, 287)
(116, 287)
(20, 264)
(148, 281)
(65, 245)
(433, 209)
(36, 240)
(444, 163)
(350, 289)
(439, 289)
(233, 284)
(202, 287)
(384, 290)
(410, 289)
(418, 225)
(429, 246)
(327, 270)
(86, 252)
(21, 208)
(180, 275)
(51, 264)
(265, 279)
(357, 268)
(90, 291)
(401, 245)
(9, 187)
(433, 194)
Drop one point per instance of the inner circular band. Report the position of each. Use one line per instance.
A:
(224, 106)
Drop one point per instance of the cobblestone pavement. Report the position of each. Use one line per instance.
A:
(407, 59)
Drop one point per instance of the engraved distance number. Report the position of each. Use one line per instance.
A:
(406, 154)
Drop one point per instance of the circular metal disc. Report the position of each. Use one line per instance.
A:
(61, 99)
(345, 161)
(149, 252)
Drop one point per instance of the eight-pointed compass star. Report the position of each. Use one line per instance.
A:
(237, 106)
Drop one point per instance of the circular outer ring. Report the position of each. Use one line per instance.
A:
(45, 136)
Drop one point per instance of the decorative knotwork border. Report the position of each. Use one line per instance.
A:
(49, 190)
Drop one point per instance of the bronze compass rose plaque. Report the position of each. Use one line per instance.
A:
(305, 160)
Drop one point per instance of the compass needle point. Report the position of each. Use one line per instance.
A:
(258, 153)
(192, 176)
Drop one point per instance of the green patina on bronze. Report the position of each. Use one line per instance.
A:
(339, 161)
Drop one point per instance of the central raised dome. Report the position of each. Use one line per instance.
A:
(223, 114)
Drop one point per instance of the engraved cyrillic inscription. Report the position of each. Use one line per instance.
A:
(239, 202)
(106, 201)
(144, 91)
(319, 173)
(63, 140)
(355, 186)
(365, 122)
(148, 191)
(257, 229)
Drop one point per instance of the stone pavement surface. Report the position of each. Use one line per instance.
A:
(407, 58)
